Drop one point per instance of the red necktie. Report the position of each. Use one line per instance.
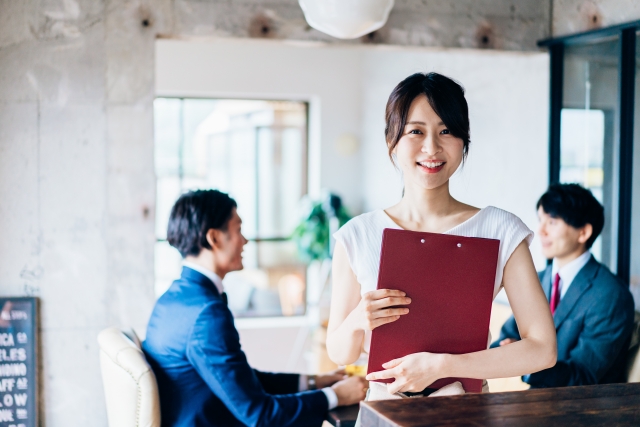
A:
(555, 294)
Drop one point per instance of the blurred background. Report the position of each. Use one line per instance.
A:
(110, 109)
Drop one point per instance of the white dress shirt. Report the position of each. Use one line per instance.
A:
(331, 395)
(569, 272)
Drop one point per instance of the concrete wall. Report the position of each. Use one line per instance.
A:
(576, 16)
(491, 24)
(77, 183)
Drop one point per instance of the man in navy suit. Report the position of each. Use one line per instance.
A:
(592, 309)
(193, 346)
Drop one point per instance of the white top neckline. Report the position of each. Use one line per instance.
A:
(465, 222)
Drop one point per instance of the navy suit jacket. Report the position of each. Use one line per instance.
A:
(203, 376)
(594, 321)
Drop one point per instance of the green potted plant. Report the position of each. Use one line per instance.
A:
(320, 219)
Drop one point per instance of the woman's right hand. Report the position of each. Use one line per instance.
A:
(379, 307)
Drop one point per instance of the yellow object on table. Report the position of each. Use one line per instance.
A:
(356, 370)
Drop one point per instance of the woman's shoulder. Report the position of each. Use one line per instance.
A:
(367, 219)
(493, 213)
(363, 223)
(504, 224)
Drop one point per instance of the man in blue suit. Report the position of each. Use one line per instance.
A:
(193, 346)
(592, 309)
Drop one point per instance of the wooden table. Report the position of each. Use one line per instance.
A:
(343, 416)
(612, 404)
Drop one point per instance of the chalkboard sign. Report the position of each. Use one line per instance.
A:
(18, 362)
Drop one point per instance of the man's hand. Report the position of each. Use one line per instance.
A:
(350, 391)
(330, 378)
(507, 341)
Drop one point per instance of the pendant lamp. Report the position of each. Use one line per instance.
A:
(346, 19)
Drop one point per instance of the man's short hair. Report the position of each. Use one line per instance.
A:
(193, 215)
(576, 206)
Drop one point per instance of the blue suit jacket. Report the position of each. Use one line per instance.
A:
(593, 322)
(203, 376)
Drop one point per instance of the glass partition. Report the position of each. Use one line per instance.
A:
(589, 129)
(635, 188)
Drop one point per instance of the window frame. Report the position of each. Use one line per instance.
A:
(256, 321)
(627, 33)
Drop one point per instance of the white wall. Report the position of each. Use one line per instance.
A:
(508, 96)
(328, 77)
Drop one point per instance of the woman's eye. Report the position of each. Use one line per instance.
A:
(445, 132)
(415, 131)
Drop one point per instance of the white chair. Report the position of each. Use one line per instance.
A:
(130, 387)
(633, 357)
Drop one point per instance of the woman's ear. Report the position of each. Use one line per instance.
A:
(585, 233)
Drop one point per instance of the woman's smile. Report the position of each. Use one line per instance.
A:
(431, 166)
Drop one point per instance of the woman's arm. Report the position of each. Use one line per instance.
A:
(534, 352)
(351, 315)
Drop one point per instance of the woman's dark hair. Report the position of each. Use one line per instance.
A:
(193, 215)
(445, 96)
(576, 206)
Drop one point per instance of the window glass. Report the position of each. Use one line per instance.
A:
(256, 151)
(635, 201)
(589, 131)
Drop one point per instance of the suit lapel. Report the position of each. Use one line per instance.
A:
(545, 281)
(579, 286)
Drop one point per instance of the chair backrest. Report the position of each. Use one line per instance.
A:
(633, 357)
(130, 387)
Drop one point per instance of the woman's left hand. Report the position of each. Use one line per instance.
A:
(412, 373)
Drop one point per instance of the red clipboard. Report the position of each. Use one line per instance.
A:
(450, 281)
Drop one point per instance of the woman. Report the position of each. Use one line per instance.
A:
(427, 134)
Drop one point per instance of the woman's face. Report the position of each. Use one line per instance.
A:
(427, 153)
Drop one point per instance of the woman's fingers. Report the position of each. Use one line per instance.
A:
(374, 323)
(384, 293)
(382, 317)
(392, 363)
(390, 312)
(375, 303)
(383, 321)
(390, 302)
(381, 375)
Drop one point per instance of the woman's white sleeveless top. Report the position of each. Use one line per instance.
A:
(362, 239)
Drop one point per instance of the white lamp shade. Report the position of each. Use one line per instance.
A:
(346, 19)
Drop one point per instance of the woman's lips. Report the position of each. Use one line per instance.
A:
(431, 167)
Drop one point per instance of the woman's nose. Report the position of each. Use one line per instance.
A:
(430, 145)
